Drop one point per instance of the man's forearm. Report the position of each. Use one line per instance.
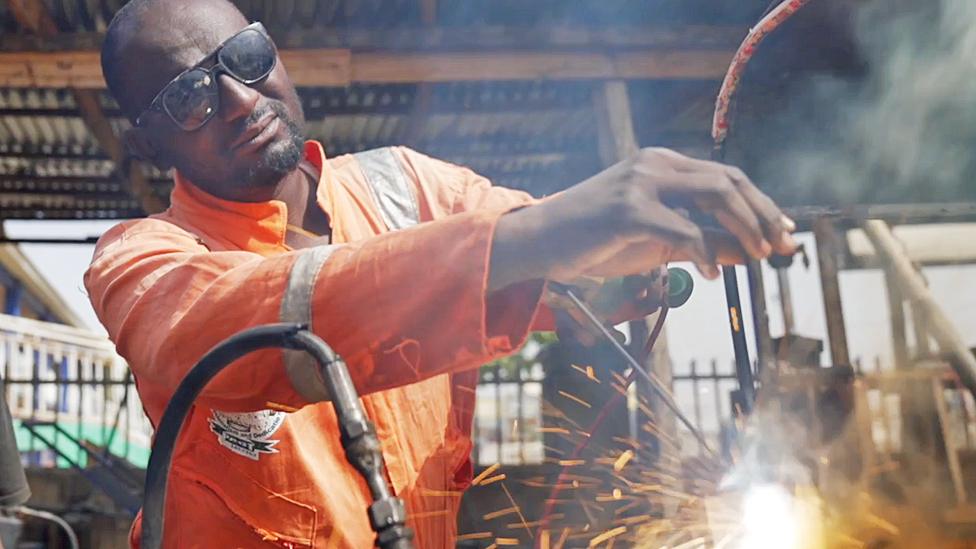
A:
(515, 252)
(538, 242)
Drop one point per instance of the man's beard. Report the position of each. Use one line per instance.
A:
(279, 158)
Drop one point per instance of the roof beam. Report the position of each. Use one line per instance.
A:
(430, 37)
(332, 67)
(35, 214)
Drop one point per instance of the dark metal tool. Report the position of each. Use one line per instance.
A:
(387, 514)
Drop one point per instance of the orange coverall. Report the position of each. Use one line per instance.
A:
(406, 309)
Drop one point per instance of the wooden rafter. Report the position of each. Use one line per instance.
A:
(94, 117)
(426, 38)
(332, 67)
(32, 15)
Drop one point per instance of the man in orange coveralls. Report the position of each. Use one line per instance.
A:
(414, 270)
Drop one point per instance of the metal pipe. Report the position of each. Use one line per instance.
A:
(915, 289)
(386, 513)
(743, 366)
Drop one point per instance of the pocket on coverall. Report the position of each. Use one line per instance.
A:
(273, 519)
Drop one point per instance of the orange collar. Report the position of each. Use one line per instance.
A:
(252, 226)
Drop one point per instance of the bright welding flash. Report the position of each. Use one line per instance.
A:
(769, 519)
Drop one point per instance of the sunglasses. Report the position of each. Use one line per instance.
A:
(193, 97)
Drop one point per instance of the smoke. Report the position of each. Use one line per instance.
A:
(904, 131)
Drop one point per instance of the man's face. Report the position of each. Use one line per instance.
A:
(255, 136)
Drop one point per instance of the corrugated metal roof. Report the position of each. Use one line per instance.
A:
(535, 135)
(539, 136)
(93, 15)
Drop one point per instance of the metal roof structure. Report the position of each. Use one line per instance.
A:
(504, 87)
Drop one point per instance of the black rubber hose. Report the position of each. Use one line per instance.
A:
(218, 358)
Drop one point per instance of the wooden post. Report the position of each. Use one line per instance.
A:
(615, 128)
(617, 141)
(415, 122)
(132, 175)
(827, 254)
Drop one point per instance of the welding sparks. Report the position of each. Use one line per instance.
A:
(430, 514)
(441, 493)
(517, 510)
(500, 513)
(768, 519)
(575, 399)
(588, 372)
(484, 474)
(607, 535)
(474, 536)
(623, 460)
(562, 538)
(493, 479)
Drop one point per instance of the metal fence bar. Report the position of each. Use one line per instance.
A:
(695, 394)
(498, 413)
(519, 427)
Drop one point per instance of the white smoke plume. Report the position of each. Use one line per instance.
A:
(903, 132)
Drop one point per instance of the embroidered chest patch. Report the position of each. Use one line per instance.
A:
(247, 434)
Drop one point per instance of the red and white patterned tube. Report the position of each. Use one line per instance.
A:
(775, 18)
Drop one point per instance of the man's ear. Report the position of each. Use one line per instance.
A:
(140, 145)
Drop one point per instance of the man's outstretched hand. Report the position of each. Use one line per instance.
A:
(633, 217)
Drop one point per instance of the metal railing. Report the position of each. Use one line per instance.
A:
(509, 414)
(68, 377)
(74, 379)
(702, 391)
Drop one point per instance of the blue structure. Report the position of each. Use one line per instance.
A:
(24, 292)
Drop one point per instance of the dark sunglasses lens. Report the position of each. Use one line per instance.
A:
(191, 99)
(249, 56)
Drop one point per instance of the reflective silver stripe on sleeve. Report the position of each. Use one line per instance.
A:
(393, 193)
(296, 306)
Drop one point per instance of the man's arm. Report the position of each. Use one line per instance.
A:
(626, 220)
(404, 306)
(399, 307)
(620, 222)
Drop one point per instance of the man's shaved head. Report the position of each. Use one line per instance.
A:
(151, 42)
(147, 30)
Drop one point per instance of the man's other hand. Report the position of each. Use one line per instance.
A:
(632, 218)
